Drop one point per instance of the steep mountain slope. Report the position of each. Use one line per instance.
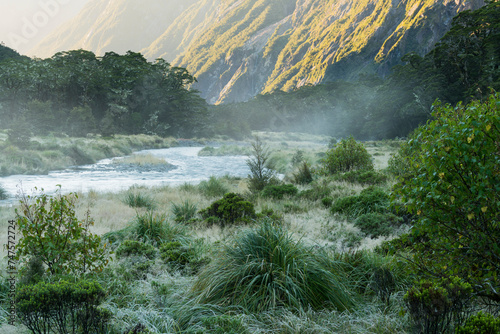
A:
(259, 46)
(113, 25)
(240, 48)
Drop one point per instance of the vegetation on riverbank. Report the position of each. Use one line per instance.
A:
(43, 154)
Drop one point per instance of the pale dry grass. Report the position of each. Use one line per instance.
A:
(141, 160)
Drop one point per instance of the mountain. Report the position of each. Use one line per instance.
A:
(240, 48)
(113, 25)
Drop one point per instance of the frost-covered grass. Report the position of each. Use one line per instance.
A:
(162, 295)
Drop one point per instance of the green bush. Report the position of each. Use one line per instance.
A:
(265, 268)
(230, 209)
(139, 201)
(377, 224)
(452, 184)
(51, 231)
(137, 248)
(368, 177)
(175, 252)
(304, 174)
(346, 156)
(62, 307)
(371, 199)
(327, 201)
(481, 323)
(33, 272)
(213, 187)
(184, 211)
(279, 191)
(435, 306)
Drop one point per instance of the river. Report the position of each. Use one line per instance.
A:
(104, 176)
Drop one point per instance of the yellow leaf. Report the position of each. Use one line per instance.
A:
(419, 212)
(441, 175)
(469, 139)
(484, 208)
(452, 199)
(488, 127)
(447, 148)
(470, 216)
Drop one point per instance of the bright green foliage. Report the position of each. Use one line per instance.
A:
(51, 231)
(230, 209)
(137, 248)
(452, 184)
(435, 306)
(279, 191)
(347, 155)
(265, 268)
(62, 307)
(33, 272)
(481, 323)
(371, 199)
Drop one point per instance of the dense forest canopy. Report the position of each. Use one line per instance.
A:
(76, 92)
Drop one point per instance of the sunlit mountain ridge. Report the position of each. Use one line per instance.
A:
(240, 48)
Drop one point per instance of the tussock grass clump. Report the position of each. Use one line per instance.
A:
(139, 201)
(133, 247)
(184, 211)
(265, 268)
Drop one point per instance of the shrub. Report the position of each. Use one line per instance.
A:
(481, 323)
(346, 156)
(377, 224)
(261, 173)
(175, 252)
(369, 177)
(371, 199)
(184, 211)
(133, 247)
(435, 306)
(62, 307)
(265, 268)
(214, 187)
(51, 231)
(327, 201)
(139, 201)
(303, 175)
(230, 209)
(279, 191)
(452, 184)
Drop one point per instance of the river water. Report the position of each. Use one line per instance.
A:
(104, 176)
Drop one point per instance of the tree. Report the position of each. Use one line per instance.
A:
(452, 184)
(51, 231)
(261, 175)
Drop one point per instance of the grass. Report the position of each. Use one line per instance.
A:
(161, 296)
(49, 153)
(141, 160)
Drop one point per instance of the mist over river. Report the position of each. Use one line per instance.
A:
(105, 176)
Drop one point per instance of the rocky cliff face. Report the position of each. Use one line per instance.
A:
(239, 48)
